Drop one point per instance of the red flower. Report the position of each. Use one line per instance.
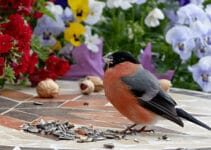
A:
(17, 27)
(5, 43)
(33, 62)
(40, 75)
(37, 14)
(57, 65)
(22, 65)
(1, 65)
(19, 6)
(19, 30)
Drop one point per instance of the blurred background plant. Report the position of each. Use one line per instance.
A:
(178, 31)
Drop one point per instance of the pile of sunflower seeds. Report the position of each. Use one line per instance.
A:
(67, 131)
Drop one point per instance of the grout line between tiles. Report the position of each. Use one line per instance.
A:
(3, 113)
(74, 99)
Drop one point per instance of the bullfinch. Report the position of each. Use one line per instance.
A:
(137, 94)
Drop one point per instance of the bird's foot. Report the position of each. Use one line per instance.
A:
(143, 129)
(129, 130)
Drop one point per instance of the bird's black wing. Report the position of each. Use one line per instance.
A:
(146, 88)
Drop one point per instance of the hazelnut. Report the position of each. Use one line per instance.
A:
(86, 86)
(165, 84)
(47, 88)
(98, 83)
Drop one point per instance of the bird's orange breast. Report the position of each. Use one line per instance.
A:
(120, 96)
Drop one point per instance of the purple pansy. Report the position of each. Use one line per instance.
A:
(139, 2)
(203, 39)
(184, 2)
(202, 73)
(146, 61)
(47, 28)
(208, 11)
(63, 3)
(182, 40)
(86, 63)
(67, 16)
(191, 13)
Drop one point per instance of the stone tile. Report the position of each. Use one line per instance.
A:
(16, 95)
(43, 104)
(27, 148)
(5, 103)
(191, 93)
(85, 103)
(58, 98)
(2, 110)
(93, 97)
(22, 115)
(51, 112)
(103, 116)
(11, 122)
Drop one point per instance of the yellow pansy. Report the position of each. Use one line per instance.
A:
(80, 9)
(73, 32)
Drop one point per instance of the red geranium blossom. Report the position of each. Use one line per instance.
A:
(41, 74)
(5, 43)
(19, 6)
(19, 30)
(54, 67)
(33, 62)
(1, 65)
(58, 65)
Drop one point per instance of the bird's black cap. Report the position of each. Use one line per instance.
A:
(119, 57)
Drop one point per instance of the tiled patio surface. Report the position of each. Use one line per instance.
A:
(17, 107)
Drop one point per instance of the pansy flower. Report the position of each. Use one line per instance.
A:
(202, 73)
(47, 28)
(67, 16)
(202, 33)
(182, 41)
(124, 4)
(96, 9)
(63, 3)
(92, 41)
(139, 2)
(191, 13)
(208, 11)
(80, 9)
(54, 9)
(152, 19)
(73, 33)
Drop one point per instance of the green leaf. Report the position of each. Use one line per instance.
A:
(9, 74)
(41, 50)
(47, 12)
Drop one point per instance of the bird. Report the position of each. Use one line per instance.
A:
(137, 94)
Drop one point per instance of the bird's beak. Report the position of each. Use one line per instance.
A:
(108, 59)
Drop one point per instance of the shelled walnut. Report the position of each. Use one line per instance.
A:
(47, 88)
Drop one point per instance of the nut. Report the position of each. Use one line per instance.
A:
(98, 83)
(86, 86)
(165, 84)
(47, 88)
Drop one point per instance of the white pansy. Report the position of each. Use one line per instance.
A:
(124, 4)
(152, 19)
(96, 9)
(54, 9)
(91, 41)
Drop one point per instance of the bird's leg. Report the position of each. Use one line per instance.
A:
(143, 129)
(128, 129)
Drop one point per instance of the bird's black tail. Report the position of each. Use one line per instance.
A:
(189, 117)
